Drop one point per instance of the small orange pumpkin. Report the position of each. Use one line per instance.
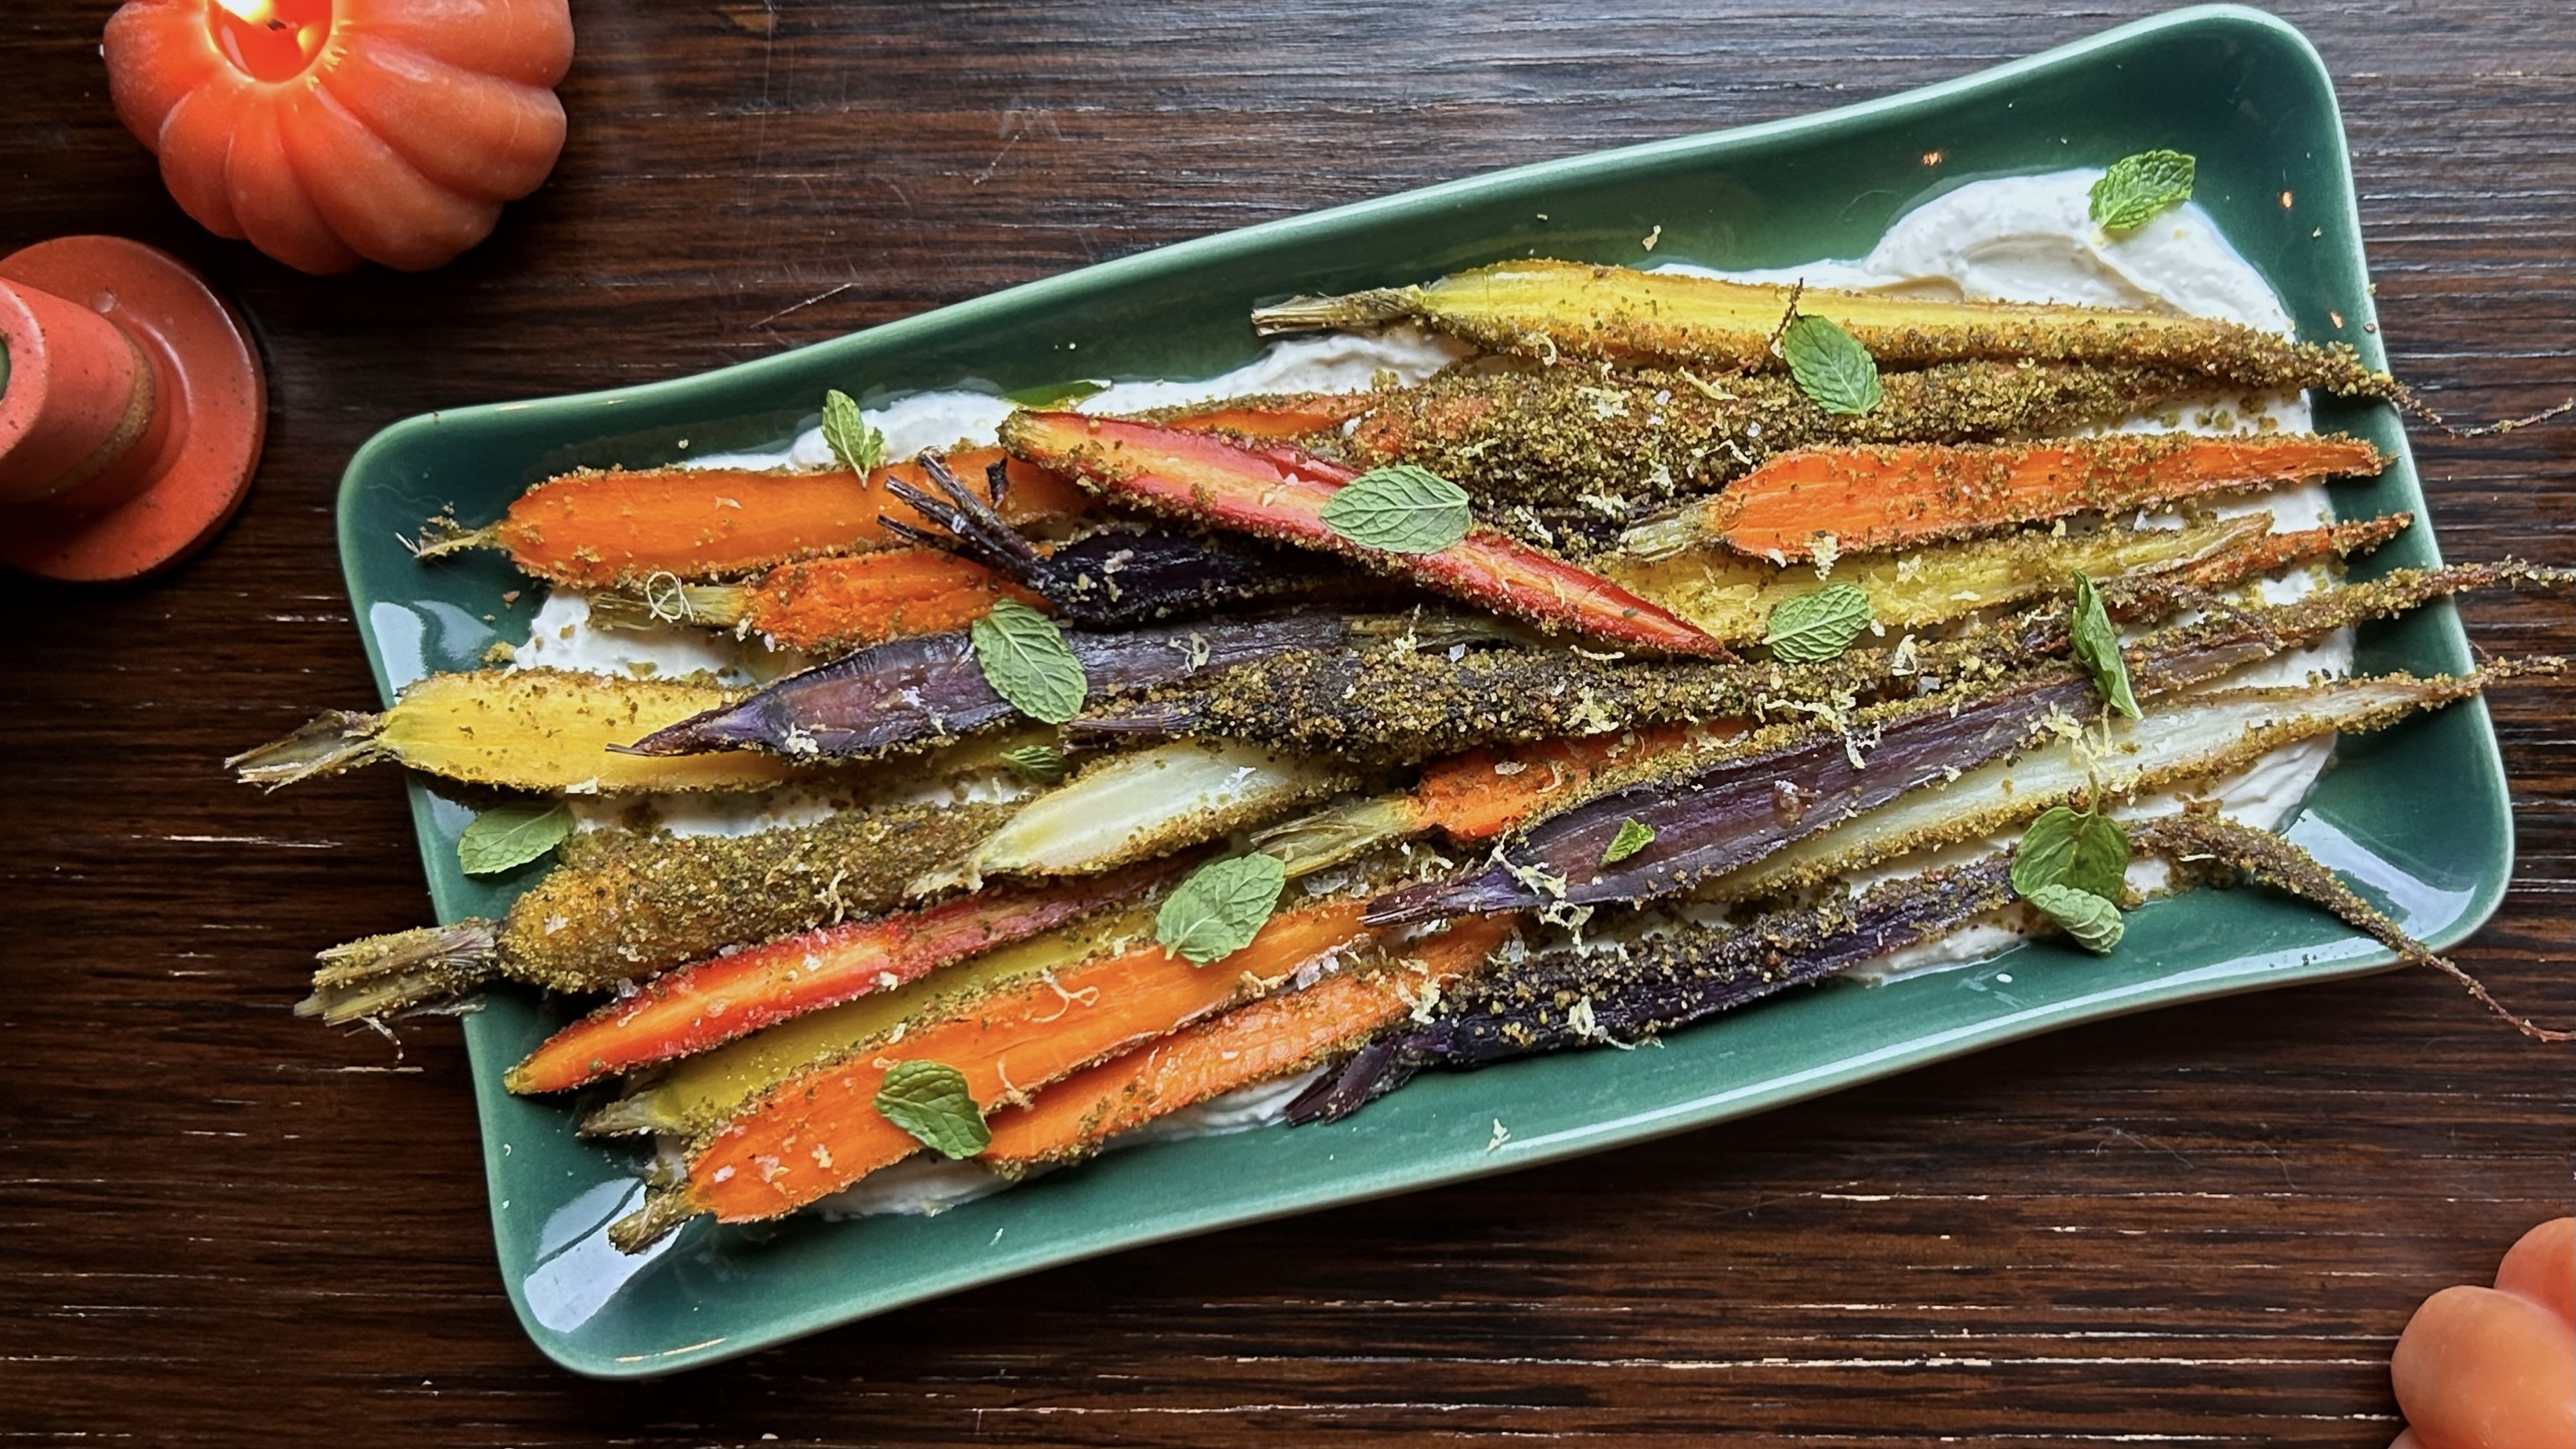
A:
(329, 133)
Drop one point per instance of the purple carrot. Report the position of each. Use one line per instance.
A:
(929, 687)
(1656, 985)
(1115, 577)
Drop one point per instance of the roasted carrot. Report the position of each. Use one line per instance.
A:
(699, 1094)
(1482, 793)
(818, 1133)
(1733, 597)
(1555, 309)
(1280, 417)
(2276, 551)
(1857, 499)
(845, 602)
(627, 903)
(1475, 796)
(1280, 493)
(715, 1000)
(592, 529)
(529, 729)
(1252, 1043)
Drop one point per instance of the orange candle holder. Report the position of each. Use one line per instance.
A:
(132, 409)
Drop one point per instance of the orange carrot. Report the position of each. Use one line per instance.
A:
(591, 529)
(710, 1002)
(1254, 1042)
(821, 1132)
(1891, 497)
(868, 598)
(1482, 793)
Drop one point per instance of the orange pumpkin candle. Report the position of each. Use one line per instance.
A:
(327, 132)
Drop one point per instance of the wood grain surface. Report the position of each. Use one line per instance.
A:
(219, 1225)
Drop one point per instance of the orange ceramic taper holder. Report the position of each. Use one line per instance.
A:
(132, 409)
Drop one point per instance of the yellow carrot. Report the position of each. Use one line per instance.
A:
(531, 729)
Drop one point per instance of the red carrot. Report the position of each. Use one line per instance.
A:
(1279, 493)
(713, 1001)
(1866, 498)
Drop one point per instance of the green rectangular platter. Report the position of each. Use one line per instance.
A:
(2417, 816)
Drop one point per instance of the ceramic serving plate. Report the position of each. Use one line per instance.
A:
(2417, 816)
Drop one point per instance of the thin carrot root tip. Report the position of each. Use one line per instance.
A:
(2272, 861)
(443, 535)
(381, 975)
(338, 740)
(665, 1211)
(1374, 308)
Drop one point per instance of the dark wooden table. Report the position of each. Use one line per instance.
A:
(226, 1226)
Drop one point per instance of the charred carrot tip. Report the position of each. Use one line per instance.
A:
(1279, 493)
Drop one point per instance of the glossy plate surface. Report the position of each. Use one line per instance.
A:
(2417, 816)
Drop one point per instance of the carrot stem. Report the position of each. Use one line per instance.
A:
(713, 1001)
(1279, 494)
(1254, 1042)
(1878, 498)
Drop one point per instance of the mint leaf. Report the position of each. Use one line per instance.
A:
(1402, 509)
(2082, 851)
(511, 835)
(2095, 923)
(1025, 659)
(1220, 908)
(1055, 394)
(858, 446)
(930, 1100)
(1633, 836)
(1043, 763)
(1830, 366)
(1820, 625)
(2097, 648)
(2135, 188)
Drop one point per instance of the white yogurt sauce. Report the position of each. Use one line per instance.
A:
(2016, 239)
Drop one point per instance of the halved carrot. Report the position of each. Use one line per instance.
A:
(820, 1132)
(1876, 498)
(1475, 796)
(1278, 416)
(1252, 1043)
(1482, 793)
(845, 602)
(1279, 493)
(2276, 551)
(591, 529)
(709, 1002)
